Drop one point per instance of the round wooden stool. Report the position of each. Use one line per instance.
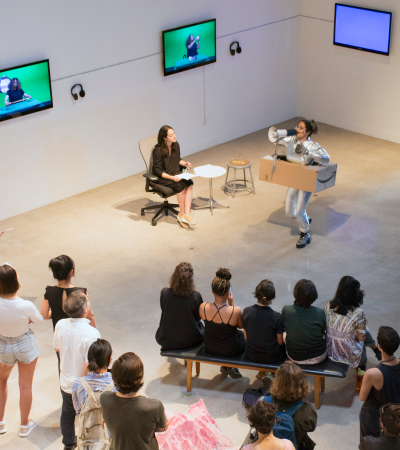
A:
(230, 186)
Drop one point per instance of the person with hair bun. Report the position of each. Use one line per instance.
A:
(262, 417)
(98, 377)
(300, 149)
(264, 328)
(131, 418)
(180, 324)
(223, 322)
(390, 435)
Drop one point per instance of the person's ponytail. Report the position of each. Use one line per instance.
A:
(99, 355)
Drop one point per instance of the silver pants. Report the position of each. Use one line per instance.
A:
(296, 204)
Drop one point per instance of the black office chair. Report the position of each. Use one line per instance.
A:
(146, 147)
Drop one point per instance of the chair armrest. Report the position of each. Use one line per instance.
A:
(150, 176)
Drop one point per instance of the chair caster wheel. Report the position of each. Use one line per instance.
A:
(142, 213)
(153, 223)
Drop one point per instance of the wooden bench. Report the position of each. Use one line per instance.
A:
(198, 355)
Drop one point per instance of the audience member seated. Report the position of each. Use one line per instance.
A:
(291, 386)
(223, 321)
(381, 385)
(305, 326)
(17, 345)
(347, 325)
(98, 377)
(72, 338)
(180, 324)
(132, 419)
(390, 436)
(262, 417)
(263, 328)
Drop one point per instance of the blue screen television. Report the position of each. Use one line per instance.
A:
(362, 29)
(188, 47)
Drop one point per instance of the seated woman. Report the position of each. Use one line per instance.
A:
(262, 417)
(180, 324)
(223, 321)
(347, 326)
(305, 326)
(192, 47)
(131, 418)
(15, 92)
(98, 377)
(381, 385)
(166, 162)
(263, 328)
(291, 386)
(390, 435)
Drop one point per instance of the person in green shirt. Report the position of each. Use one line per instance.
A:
(305, 326)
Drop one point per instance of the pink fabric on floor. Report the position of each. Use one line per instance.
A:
(195, 430)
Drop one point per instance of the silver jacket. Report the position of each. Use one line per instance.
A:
(303, 152)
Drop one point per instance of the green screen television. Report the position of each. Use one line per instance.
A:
(25, 90)
(188, 47)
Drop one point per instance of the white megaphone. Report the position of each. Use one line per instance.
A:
(274, 134)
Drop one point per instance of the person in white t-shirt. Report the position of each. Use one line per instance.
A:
(72, 338)
(17, 345)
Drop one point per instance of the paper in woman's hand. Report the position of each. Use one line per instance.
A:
(186, 176)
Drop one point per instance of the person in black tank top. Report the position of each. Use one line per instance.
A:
(223, 321)
(63, 269)
(381, 385)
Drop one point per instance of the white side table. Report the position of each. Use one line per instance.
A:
(210, 172)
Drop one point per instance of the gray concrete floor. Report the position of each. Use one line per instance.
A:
(124, 262)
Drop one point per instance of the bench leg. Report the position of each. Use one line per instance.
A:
(197, 368)
(317, 388)
(189, 376)
(322, 384)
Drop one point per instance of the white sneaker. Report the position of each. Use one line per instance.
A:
(25, 430)
(3, 428)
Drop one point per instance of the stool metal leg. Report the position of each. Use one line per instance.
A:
(244, 177)
(234, 182)
(252, 181)
(226, 179)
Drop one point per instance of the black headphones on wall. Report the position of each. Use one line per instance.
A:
(82, 93)
(238, 48)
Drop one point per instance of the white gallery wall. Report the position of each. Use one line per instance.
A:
(80, 145)
(348, 88)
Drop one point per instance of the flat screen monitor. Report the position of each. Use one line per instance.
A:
(25, 89)
(362, 29)
(188, 47)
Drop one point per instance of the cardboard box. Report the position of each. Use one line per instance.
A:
(307, 178)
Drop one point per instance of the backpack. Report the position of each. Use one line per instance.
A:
(284, 425)
(91, 435)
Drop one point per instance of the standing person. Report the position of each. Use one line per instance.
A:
(300, 149)
(180, 324)
(305, 326)
(347, 327)
(15, 92)
(72, 338)
(262, 417)
(192, 47)
(263, 328)
(381, 385)
(390, 435)
(131, 418)
(166, 162)
(17, 345)
(223, 335)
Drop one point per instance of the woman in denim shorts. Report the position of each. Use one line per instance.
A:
(17, 345)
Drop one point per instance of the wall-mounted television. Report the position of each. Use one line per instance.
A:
(362, 29)
(25, 89)
(188, 47)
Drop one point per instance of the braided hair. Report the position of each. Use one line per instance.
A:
(221, 284)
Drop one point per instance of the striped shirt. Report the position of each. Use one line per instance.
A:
(97, 381)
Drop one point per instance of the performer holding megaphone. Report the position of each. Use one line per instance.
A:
(300, 149)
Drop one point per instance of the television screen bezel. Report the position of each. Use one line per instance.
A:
(363, 49)
(194, 66)
(25, 113)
